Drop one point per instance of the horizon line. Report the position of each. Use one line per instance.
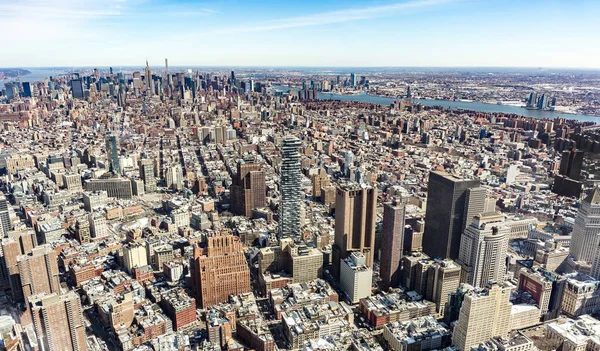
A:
(297, 66)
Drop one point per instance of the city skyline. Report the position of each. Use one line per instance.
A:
(417, 33)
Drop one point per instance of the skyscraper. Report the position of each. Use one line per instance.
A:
(446, 202)
(568, 180)
(474, 204)
(148, 78)
(27, 89)
(77, 88)
(355, 217)
(483, 249)
(58, 321)
(248, 189)
(291, 191)
(147, 174)
(484, 313)
(571, 164)
(586, 230)
(219, 270)
(112, 153)
(5, 225)
(392, 237)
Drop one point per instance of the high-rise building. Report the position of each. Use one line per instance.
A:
(112, 153)
(586, 230)
(38, 272)
(568, 180)
(219, 270)
(443, 278)
(392, 237)
(248, 190)
(148, 78)
(483, 249)
(58, 321)
(571, 164)
(446, 203)
(5, 225)
(27, 89)
(15, 244)
(77, 88)
(474, 204)
(353, 80)
(147, 174)
(319, 180)
(291, 191)
(355, 277)
(174, 177)
(485, 313)
(355, 217)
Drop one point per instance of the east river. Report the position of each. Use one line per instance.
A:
(454, 105)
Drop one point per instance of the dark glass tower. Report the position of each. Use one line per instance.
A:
(446, 201)
(112, 153)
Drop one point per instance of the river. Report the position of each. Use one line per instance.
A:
(458, 105)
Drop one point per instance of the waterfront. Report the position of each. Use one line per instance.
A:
(457, 105)
(37, 74)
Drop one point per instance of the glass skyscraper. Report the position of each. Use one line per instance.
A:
(112, 153)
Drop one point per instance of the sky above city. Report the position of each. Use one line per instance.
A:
(352, 33)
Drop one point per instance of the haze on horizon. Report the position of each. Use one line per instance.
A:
(372, 33)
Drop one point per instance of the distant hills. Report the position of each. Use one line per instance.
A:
(13, 72)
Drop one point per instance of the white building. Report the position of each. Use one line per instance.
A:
(483, 249)
(586, 231)
(356, 277)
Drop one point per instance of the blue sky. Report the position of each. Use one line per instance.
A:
(525, 33)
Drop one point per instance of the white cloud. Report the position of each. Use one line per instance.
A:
(339, 16)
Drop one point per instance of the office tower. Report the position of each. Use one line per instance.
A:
(5, 225)
(112, 154)
(353, 79)
(58, 321)
(219, 270)
(291, 191)
(485, 313)
(474, 204)
(483, 249)
(27, 89)
(38, 271)
(392, 238)
(586, 230)
(77, 88)
(248, 190)
(443, 277)
(355, 277)
(147, 174)
(446, 203)
(355, 217)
